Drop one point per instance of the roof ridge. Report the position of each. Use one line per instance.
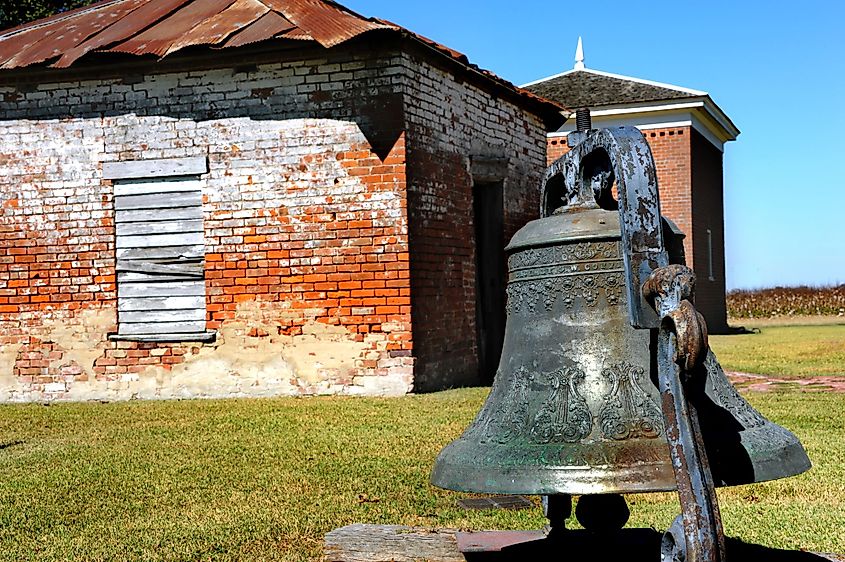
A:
(665, 85)
(347, 9)
(547, 78)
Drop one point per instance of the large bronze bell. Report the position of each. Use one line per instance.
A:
(605, 362)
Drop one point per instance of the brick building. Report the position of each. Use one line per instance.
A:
(687, 133)
(207, 198)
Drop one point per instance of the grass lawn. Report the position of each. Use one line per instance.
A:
(789, 351)
(266, 479)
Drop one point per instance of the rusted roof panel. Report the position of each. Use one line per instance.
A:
(326, 22)
(267, 27)
(13, 43)
(61, 16)
(162, 27)
(143, 17)
(158, 39)
(72, 32)
(297, 34)
(218, 28)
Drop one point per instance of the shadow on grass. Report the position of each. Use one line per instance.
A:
(631, 545)
(740, 331)
(10, 444)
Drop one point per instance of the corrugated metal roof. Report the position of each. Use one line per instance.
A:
(68, 33)
(148, 13)
(218, 28)
(326, 22)
(158, 39)
(163, 27)
(269, 25)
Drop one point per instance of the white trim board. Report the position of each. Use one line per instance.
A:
(703, 106)
(642, 127)
(673, 120)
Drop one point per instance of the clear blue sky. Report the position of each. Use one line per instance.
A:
(776, 68)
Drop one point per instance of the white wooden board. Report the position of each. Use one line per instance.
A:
(191, 314)
(166, 253)
(166, 289)
(155, 168)
(160, 227)
(160, 240)
(153, 201)
(158, 215)
(166, 185)
(130, 328)
(160, 303)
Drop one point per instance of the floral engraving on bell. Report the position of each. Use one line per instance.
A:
(565, 253)
(564, 417)
(628, 411)
(728, 396)
(515, 418)
(586, 286)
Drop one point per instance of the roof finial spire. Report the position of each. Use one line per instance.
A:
(579, 55)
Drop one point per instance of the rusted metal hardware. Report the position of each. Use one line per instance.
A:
(696, 535)
(583, 121)
(670, 289)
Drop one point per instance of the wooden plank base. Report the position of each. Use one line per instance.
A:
(396, 543)
(391, 543)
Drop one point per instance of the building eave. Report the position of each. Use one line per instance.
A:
(722, 118)
(553, 114)
(704, 106)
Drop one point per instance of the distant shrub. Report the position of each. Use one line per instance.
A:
(787, 301)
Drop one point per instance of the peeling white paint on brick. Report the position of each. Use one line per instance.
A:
(279, 178)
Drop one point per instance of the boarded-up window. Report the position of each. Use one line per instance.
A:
(160, 254)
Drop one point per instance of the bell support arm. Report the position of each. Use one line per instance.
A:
(696, 535)
(658, 297)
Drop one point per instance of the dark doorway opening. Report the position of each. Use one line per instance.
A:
(490, 276)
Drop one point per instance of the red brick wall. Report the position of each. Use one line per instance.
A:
(333, 179)
(332, 248)
(689, 172)
(450, 123)
(305, 230)
(555, 148)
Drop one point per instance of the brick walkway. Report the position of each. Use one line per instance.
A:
(765, 383)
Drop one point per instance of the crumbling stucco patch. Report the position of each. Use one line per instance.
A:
(10, 387)
(252, 357)
(82, 337)
(68, 357)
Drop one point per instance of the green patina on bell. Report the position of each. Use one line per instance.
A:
(574, 408)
